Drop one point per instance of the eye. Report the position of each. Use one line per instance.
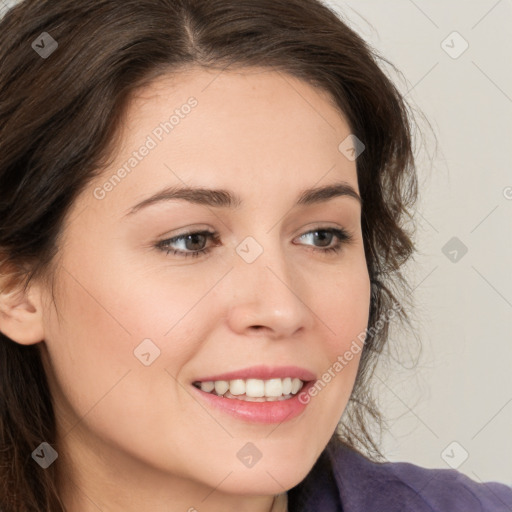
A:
(319, 234)
(193, 244)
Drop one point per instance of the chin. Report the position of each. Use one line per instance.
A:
(275, 472)
(264, 482)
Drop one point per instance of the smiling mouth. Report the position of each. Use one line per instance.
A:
(253, 390)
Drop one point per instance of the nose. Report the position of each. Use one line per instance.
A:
(268, 297)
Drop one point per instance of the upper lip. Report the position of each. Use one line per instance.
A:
(263, 373)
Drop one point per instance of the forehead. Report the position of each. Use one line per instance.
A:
(249, 83)
(253, 130)
(247, 103)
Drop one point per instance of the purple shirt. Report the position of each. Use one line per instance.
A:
(343, 480)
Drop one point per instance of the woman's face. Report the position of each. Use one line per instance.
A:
(138, 324)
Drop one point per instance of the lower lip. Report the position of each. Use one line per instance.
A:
(278, 411)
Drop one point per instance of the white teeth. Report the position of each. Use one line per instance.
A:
(207, 386)
(296, 385)
(254, 390)
(273, 387)
(237, 387)
(287, 386)
(221, 386)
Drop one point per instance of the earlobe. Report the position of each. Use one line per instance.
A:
(21, 317)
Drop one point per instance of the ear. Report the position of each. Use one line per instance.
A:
(21, 317)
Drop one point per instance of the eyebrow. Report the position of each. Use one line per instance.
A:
(221, 198)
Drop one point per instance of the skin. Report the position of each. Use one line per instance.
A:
(132, 437)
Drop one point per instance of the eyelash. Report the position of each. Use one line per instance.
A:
(343, 238)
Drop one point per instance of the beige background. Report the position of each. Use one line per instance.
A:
(461, 389)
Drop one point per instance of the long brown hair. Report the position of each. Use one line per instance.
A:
(60, 119)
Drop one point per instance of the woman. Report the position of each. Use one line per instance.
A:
(202, 206)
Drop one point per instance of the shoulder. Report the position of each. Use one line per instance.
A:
(403, 486)
(357, 484)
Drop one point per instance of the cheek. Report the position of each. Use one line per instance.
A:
(345, 314)
(87, 343)
(98, 383)
(107, 309)
(345, 306)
